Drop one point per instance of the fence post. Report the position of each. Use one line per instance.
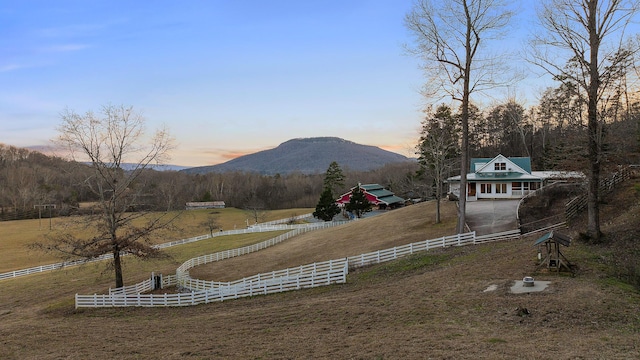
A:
(345, 271)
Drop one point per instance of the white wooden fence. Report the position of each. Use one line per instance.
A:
(253, 229)
(328, 272)
(306, 276)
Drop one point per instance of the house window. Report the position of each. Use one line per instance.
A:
(534, 186)
(517, 185)
(485, 188)
(500, 166)
(501, 188)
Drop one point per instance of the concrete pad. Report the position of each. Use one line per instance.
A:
(492, 287)
(519, 288)
(492, 216)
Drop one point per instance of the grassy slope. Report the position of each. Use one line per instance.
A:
(15, 253)
(431, 306)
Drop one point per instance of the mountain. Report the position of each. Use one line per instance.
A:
(308, 156)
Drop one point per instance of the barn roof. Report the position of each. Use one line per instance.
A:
(377, 192)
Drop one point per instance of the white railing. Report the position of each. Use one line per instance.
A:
(283, 221)
(134, 289)
(312, 275)
(221, 255)
(394, 253)
(226, 254)
(253, 229)
(330, 272)
(320, 273)
(182, 271)
(41, 268)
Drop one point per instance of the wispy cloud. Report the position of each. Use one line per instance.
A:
(230, 155)
(65, 47)
(78, 30)
(225, 154)
(12, 67)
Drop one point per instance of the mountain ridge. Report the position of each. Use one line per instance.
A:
(308, 156)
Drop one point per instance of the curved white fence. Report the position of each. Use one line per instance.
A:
(333, 272)
(256, 228)
(305, 276)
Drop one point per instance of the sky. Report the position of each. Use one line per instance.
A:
(227, 78)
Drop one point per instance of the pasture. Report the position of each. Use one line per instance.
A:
(15, 236)
(426, 306)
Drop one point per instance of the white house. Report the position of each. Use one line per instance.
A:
(499, 178)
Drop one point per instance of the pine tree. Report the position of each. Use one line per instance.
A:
(358, 203)
(334, 178)
(327, 207)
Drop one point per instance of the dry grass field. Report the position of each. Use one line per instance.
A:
(428, 306)
(16, 235)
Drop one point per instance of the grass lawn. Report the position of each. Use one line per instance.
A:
(15, 253)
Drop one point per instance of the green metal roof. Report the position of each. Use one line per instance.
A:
(544, 238)
(391, 199)
(558, 237)
(523, 162)
(370, 187)
(381, 193)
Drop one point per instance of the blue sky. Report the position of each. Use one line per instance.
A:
(227, 77)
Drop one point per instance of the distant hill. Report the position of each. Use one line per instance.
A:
(308, 156)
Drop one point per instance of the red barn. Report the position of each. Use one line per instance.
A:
(377, 195)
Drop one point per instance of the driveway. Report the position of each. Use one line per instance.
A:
(492, 216)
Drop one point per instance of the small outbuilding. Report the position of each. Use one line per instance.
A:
(205, 205)
(552, 257)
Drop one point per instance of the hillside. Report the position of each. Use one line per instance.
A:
(434, 305)
(308, 156)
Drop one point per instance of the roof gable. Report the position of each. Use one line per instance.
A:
(484, 166)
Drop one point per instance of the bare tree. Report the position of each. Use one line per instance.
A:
(212, 222)
(450, 36)
(578, 32)
(114, 145)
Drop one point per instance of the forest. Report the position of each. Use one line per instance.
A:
(552, 133)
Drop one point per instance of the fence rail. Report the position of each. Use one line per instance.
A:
(579, 203)
(305, 276)
(335, 273)
(253, 229)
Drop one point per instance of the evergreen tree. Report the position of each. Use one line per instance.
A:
(438, 149)
(334, 178)
(359, 204)
(327, 207)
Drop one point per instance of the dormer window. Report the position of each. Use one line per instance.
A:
(500, 166)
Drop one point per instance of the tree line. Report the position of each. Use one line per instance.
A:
(550, 133)
(30, 178)
(583, 45)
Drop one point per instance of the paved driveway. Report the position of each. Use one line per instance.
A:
(492, 216)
